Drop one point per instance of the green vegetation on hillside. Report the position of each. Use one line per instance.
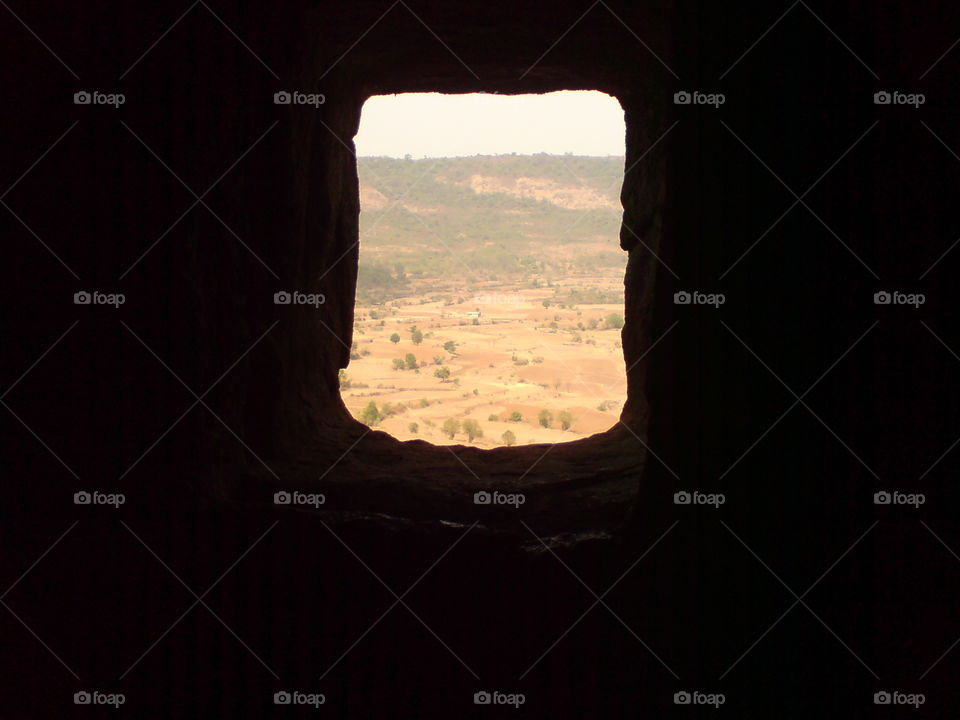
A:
(422, 218)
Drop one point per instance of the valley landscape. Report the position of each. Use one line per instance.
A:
(490, 299)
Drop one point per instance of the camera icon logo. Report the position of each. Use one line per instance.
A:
(82, 698)
(482, 698)
(882, 98)
(882, 298)
(282, 498)
(682, 98)
(82, 498)
(882, 698)
(682, 698)
(882, 498)
(82, 98)
(282, 98)
(82, 298)
(682, 498)
(682, 298)
(282, 698)
(482, 498)
(282, 298)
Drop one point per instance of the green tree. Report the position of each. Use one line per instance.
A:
(395, 338)
(442, 372)
(472, 428)
(545, 417)
(450, 346)
(399, 364)
(370, 415)
(516, 417)
(410, 361)
(451, 426)
(416, 335)
(508, 438)
(566, 419)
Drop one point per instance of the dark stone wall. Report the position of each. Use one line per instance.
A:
(199, 387)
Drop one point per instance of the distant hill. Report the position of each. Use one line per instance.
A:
(486, 218)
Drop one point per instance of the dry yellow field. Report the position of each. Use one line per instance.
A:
(517, 356)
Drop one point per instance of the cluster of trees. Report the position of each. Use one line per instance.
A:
(408, 362)
(372, 415)
(545, 418)
(472, 429)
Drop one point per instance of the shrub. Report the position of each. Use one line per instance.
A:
(442, 372)
(413, 427)
(424, 402)
(614, 321)
(508, 438)
(399, 364)
(545, 417)
(566, 419)
(604, 406)
(450, 346)
(370, 415)
(493, 417)
(451, 426)
(472, 429)
(516, 417)
(410, 361)
(416, 336)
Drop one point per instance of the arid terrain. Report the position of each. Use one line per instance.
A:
(489, 310)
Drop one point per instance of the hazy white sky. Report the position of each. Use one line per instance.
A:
(437, 125)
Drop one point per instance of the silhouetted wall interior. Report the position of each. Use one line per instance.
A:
(795, 159)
